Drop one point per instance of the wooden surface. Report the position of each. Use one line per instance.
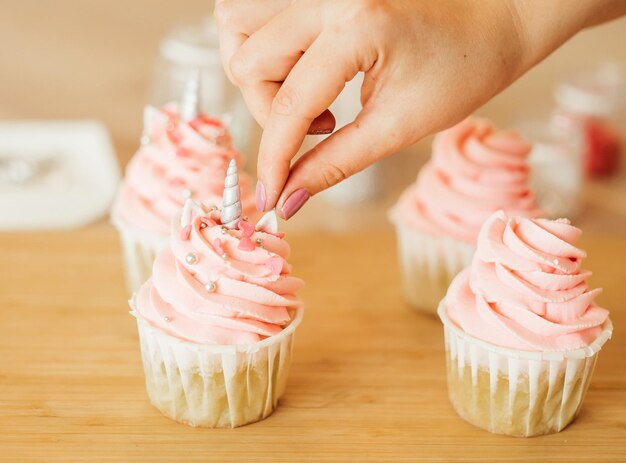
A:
(368, 382)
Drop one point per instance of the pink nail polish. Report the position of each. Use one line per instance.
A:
(261, 197)
(294, 202)
(320, 132)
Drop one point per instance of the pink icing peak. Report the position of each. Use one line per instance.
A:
(474, 171)
(181, 160)
(224, 294)
(525, 289)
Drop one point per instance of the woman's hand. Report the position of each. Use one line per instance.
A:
(427, 66)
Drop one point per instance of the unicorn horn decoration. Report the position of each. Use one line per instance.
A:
(190, 103)
(231, 208)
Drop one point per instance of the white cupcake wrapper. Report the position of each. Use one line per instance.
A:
(140, 249)
(429, 264)
(545, 389)
(215, 386)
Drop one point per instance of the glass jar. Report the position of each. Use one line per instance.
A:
(186, 49)
(590, 102)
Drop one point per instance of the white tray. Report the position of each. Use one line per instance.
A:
(75, 174)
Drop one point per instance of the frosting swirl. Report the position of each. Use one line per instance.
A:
(219, 286)
(525, 288)
(181, 160)
(474, 171)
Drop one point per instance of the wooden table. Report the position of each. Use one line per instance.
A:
(368, 382)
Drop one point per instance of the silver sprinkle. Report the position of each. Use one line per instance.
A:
(191, 258)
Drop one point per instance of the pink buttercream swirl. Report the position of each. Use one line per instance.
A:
(525, 288)
(474, 171)
(211, 287)
(181, 159)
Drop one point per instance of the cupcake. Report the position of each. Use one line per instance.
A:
(184, 154)
(217, 319)
(474, 172)
(522, 331)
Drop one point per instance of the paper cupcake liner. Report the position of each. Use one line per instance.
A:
(429, 264)
(516, 393)
(139, 249)
(215, 386)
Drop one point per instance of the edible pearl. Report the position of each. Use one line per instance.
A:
(258, 241)
(191, 258)
(224, 256)
(203, 225)
(214, 208)
(210, 287)
(224, 230)
(167, 319)
(187, 193)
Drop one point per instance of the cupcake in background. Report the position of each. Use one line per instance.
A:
(474, 171)
(522, 330)
(217, 319)
(184, 154)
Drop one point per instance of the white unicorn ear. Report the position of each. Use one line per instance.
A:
(189, 208)
(190, 102)
(231, 199)
(268, 223)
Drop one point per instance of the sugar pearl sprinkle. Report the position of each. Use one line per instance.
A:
(258, 241)
(191, 258)
(167, 319)
(187, 193)
(224, 230)
(224, 256)
(210, 286)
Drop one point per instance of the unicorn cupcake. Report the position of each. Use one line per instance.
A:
(218, 317)
(184, 154)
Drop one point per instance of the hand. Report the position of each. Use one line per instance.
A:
(427, 66)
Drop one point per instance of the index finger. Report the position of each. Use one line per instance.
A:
(312, 85)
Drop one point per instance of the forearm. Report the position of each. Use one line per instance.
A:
(543, 26)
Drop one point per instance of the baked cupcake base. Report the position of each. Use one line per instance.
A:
(516, 393)
(429, 263)
(215, 386)
(139, 250)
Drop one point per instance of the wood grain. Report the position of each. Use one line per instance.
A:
(368, 382)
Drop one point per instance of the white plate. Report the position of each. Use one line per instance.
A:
(75, 174)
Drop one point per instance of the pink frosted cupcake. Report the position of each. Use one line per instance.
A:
(474, 171)
(181, 156)
(217, 319)
(522, 331)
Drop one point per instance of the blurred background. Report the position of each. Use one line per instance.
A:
(103, 61)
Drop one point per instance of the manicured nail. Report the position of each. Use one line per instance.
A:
(261, 197)
(294, 202)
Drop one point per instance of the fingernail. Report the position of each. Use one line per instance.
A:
(320, 132)
(261, 197)
(294, 202)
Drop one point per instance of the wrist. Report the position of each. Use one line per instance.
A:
(543, 26)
